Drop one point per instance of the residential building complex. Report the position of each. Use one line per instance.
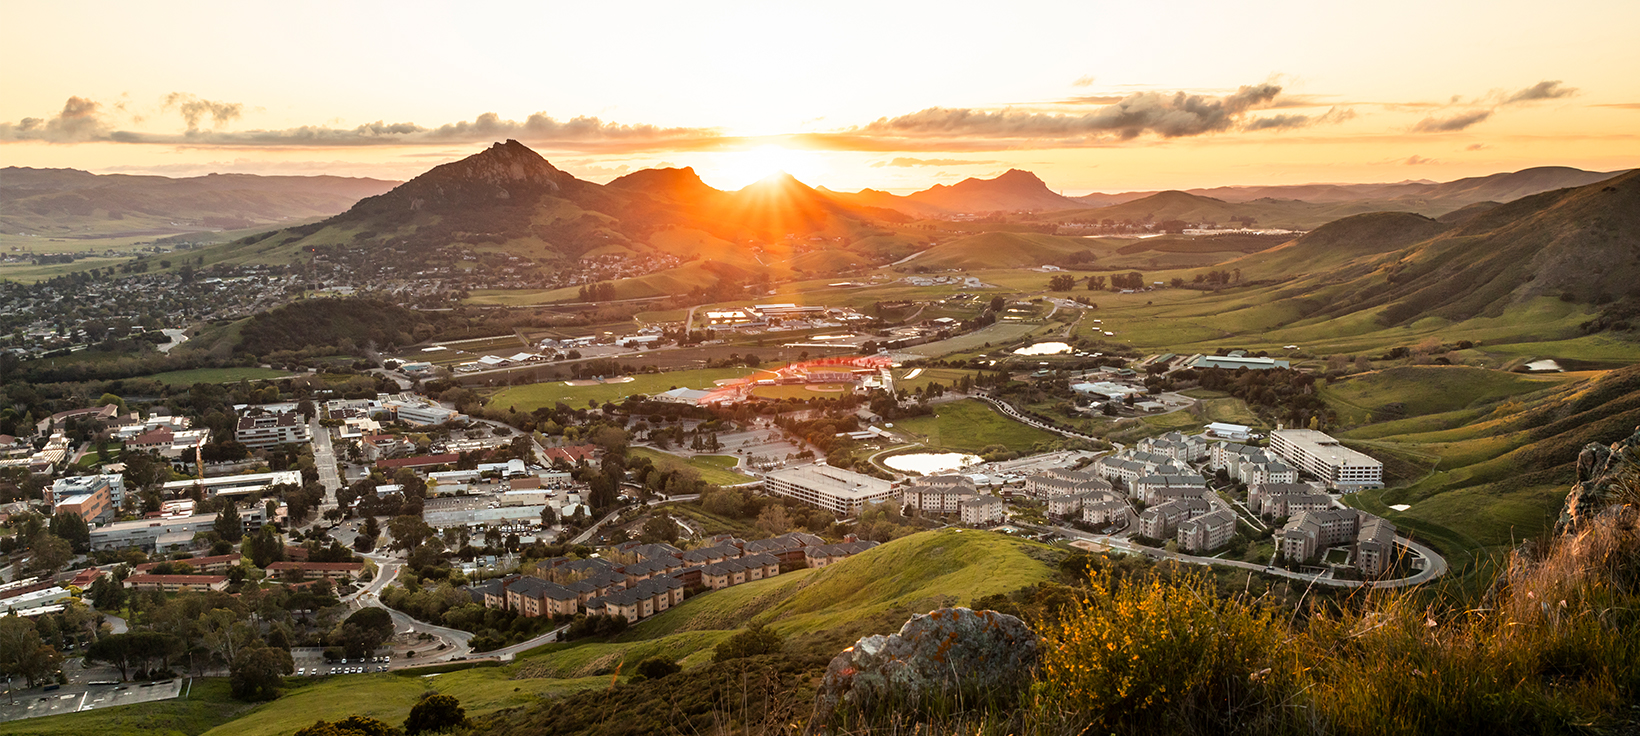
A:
(1323, 457)
(839, 491)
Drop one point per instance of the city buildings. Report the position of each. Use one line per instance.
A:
(271, 430)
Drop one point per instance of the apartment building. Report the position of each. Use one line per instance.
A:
(1322, 456)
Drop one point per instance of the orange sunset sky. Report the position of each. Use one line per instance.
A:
(1092, 96)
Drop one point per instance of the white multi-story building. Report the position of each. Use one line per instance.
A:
(982, 511)
(1322, 456)
(269, 430)
(836, 490)
(65, 487)
(232, 485)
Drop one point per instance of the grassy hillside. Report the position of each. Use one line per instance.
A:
(1004, 250)
(1422, 390)
(823, 609)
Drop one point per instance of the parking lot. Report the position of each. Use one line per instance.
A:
(36, 702)
(310, 662)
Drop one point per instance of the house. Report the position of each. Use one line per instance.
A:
(831, 554)
(214, 565)
(316, 570)
(174, 583)
(743, 570)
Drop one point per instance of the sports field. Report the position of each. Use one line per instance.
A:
(531, 397)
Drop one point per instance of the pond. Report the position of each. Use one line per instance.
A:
(931, 463)
(1044, 348)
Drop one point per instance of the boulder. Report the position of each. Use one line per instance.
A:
(951, 653)
(1600, 471)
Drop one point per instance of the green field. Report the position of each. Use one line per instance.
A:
(972, 425)
(529, 398)
(1001, 333)
(717, 469)
(1421, 390)
(216, 375)
(946, 377)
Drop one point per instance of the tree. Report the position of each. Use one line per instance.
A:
(365, 630)
(434, 712)
(408, 531)
(225, 635)
(23, 653)
(548, 516)
(228, 524)
(655, 668)
(749, 643)
(349, 726)
(660, 528)
(774, 521)
(107, 594)
(259, 673)
(366, 540)
(50, 553)
(264, 547)
(72, 527)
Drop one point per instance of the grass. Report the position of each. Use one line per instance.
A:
(216, 375)
(529, 398)
(208, 705)
(972, 425)
(994, 335)
(712, 468)
(946, 377)
(1431, 389)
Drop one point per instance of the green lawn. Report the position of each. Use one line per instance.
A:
(1409, 391)
(216, 375)
(972, 425)
(946, 377)
(823, 391)
(531, 397)
(712, 468)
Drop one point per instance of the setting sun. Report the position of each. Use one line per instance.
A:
(737, 169)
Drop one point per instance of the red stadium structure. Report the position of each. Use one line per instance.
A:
(732, 393)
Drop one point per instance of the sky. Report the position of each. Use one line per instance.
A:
(898, 96)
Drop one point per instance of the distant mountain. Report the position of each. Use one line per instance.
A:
(508, 197)
(885, 200)
(73, 203)
(1013, 191)
(1581, 244)
(1502, 187)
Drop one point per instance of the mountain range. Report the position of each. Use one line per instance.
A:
(72, 203)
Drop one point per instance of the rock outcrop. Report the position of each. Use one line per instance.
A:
(1600, 471)
(951, 653)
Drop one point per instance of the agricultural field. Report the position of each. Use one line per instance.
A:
(718, 469)
(972, 425)
(531, 397)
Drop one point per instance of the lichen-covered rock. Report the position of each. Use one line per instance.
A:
(951, 653)
(1599, 471)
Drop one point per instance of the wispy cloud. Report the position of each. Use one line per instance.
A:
(1416, 160)
(83, 120)
(903, 161)
(1456, 122)
(1483, 108)
(1166, 115)
(1085, 80)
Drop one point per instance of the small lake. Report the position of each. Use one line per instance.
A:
(931, 463)
(1045, 348)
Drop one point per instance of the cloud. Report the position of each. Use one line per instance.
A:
(1446, 125)
(1416, 160)
(79, 121)
(1290, 121)
(1092, 100)
(1475, 147)
(910, 162)
(1546, 90)
(1620, 105)
(1085, 80)
(194, 108)
(1541, 91)
(1167, 115)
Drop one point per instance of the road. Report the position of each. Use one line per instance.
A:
(1435, 568)
(324, 456)
(1009, 410)
(586, 535)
